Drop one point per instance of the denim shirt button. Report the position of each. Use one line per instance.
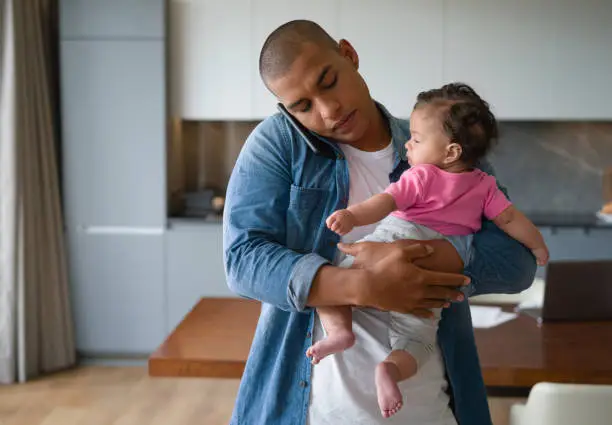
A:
(308, 334)
(303, 384)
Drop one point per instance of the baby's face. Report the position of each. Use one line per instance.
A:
(428, 143)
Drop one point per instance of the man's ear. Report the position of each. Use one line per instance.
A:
(453, 153)
(348, 52)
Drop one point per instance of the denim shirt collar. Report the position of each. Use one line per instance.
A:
(398, 135)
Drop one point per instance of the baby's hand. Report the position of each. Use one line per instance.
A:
(541, 255)
(341, 222)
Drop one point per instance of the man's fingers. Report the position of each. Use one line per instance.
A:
(441, 293)
(349, 248)
(417, 250)
(445, 279)
(425, 314)
(427, 304)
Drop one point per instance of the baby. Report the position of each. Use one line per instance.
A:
(442, 195)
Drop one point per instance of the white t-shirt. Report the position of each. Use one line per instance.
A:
(343, 390)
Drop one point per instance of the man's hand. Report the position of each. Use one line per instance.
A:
(341, 222)
(395, 283)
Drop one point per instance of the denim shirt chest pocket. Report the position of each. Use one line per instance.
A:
(308, 209)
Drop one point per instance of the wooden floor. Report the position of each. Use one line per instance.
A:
(96, 395)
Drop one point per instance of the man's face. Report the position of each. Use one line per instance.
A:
(324, 91)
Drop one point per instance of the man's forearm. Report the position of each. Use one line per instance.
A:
(500, 264)
(334, 286)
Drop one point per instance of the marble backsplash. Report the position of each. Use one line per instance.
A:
(548, 167)
(554, 167)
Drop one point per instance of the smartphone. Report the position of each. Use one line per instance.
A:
(319, 147)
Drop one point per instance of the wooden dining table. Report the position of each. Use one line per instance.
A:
(214, 338)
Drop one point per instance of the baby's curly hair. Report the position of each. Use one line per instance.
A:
(465, 118)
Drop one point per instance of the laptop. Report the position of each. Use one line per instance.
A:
(576, 291)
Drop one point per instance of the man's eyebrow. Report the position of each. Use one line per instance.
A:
(296, 103)
(323, 74)
(319, 81)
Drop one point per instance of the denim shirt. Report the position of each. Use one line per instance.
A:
(275, 240)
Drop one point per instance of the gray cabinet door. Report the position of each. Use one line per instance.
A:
(194, 260)
(576, 244)
(113, 113)
(111, 18)
(117, 291)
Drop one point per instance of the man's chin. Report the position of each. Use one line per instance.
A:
(350, 138)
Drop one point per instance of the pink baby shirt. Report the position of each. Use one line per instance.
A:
(449, 203)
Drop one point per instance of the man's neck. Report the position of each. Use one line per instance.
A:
(378, 134)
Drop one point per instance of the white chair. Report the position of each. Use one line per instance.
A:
(565, 404)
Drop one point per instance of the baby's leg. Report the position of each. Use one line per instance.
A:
(412, 341)
(398, 366)
(337, 322)
(338, 325)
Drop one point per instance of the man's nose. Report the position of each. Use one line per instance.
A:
(330, 109)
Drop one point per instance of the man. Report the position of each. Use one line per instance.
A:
(278, 250)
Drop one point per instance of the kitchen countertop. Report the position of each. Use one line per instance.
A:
(576, 220)
(540, 219)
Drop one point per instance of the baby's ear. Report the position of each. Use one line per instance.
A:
(453, 153)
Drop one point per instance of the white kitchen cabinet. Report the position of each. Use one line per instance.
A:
(399, 44)
(216, 79)
(504, 49)
(113, 157)
(94, 19)
(194, 261)
(113, 132)
(117, 291)
(266, 16)
(582, 59)
(211, 61)
(531, 59)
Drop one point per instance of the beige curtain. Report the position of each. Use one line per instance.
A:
(36, 333)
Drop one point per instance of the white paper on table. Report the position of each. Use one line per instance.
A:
(604, 217)
(530, 304)
(489, 316)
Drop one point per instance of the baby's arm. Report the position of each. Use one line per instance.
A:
(515, 224)
(400, 195)
(369, 211)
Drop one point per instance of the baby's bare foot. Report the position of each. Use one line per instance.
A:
(389, 395)
(334, 343)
